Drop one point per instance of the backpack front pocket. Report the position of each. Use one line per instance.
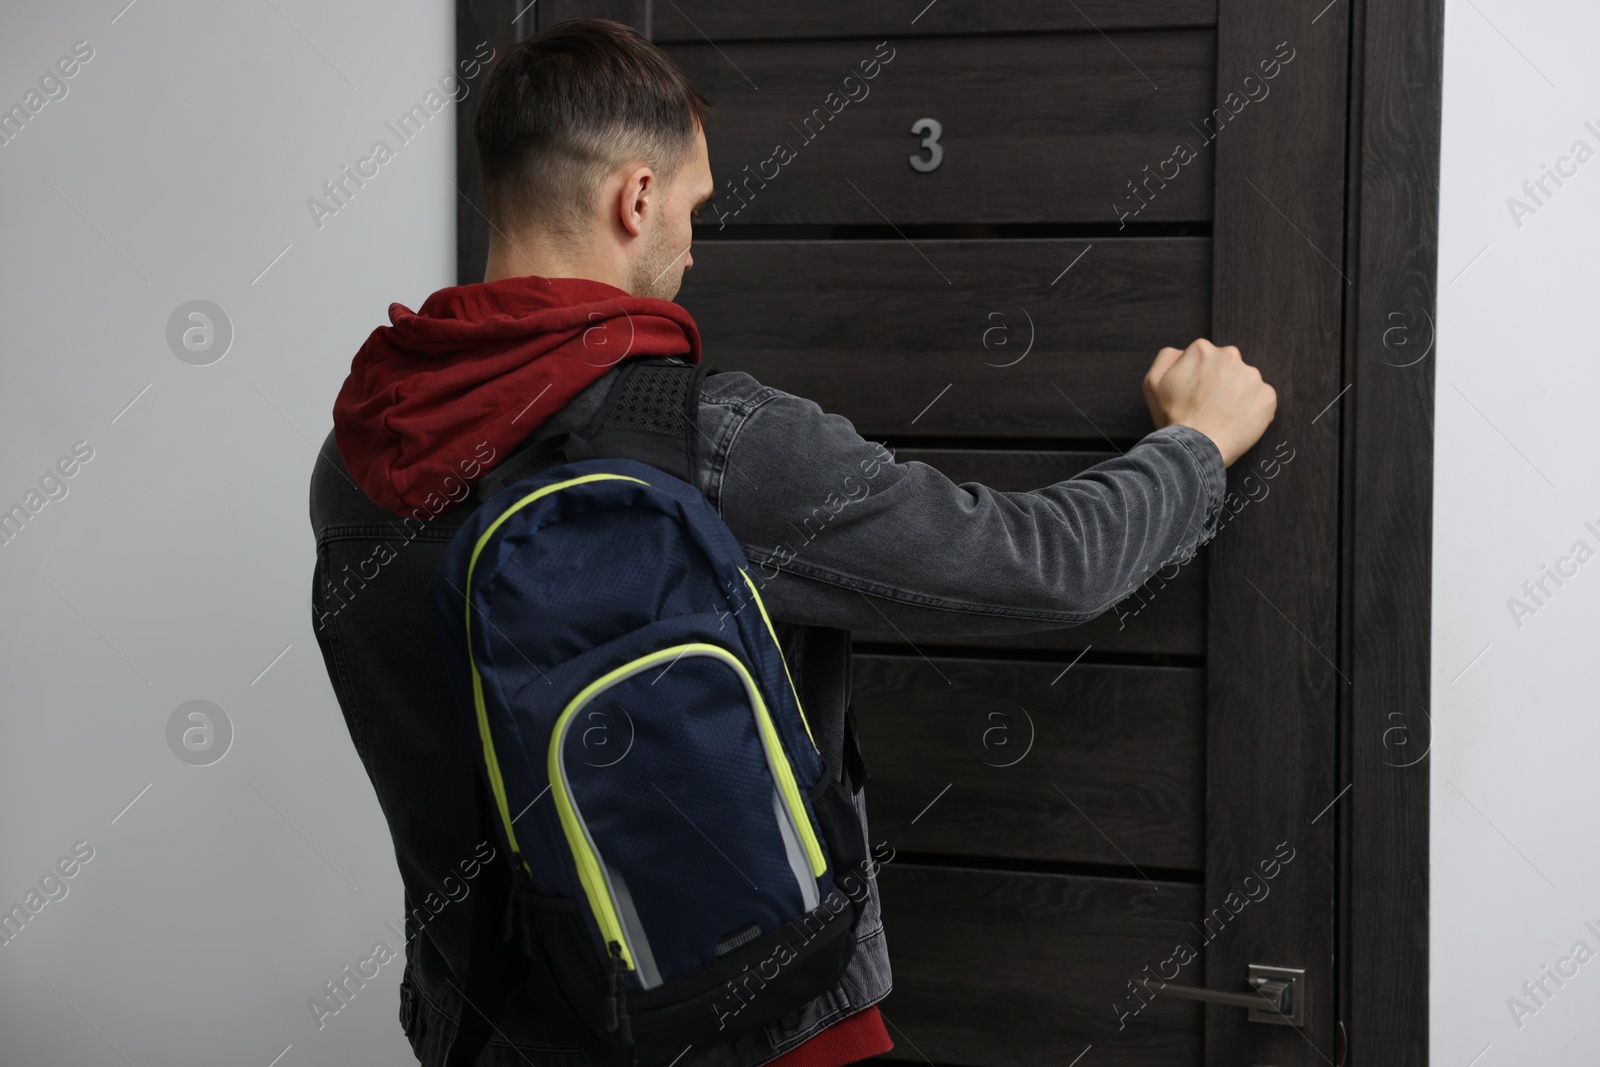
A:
(687, 827)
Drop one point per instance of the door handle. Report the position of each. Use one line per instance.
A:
(1278, 995)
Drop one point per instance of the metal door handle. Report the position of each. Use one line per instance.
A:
(1279, 995)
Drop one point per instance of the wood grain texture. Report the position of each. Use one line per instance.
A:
(1032, 760)
(874, 331)
(998, 969)
(726, 20)
(1273, 687)
(1165, 615)
(635, 13)
(1049, 128)
(1389, 529)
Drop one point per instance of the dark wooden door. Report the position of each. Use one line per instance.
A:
(974, 254)
(968, 228)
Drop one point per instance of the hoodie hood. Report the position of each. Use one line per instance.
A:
(445, 392)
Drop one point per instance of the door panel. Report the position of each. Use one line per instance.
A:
(1052, 128)
(996, 967)
(1037, 760)
(994, 340)
(732, 20)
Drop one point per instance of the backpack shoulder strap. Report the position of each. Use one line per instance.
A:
(650, 413)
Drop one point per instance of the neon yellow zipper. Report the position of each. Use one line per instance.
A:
(771, 630)
(496, 781)
(590, 871)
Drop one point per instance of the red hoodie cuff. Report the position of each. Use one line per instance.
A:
(856, 1037)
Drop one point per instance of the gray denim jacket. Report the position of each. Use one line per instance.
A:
(840, 536)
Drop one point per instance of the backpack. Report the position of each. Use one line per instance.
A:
(684, 869)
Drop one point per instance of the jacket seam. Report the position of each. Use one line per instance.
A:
(1215, 486)
(1201, 465)
(725, 453)
(745, 405)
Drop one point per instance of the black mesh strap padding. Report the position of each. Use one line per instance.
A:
(650, 414)
(649, 396)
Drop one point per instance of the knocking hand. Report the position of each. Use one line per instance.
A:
(1212, 390)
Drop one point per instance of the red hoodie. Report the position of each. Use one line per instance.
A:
(485, 363)
(488, 363)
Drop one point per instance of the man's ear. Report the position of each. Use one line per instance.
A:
(637, 195)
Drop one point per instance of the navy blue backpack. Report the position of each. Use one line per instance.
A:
(685, 870)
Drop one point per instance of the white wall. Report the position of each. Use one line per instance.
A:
(177, 567)
(1516, 700)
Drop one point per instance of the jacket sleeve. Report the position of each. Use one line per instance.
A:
(841, 534)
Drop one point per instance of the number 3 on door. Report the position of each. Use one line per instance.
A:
(931, 131)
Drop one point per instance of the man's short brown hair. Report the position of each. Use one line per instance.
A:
(562, 110)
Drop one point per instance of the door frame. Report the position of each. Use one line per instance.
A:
(1325, 238)
(1392, 243)
(1386, 237)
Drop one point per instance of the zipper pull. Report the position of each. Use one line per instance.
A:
(616, 1002)
(511, 897)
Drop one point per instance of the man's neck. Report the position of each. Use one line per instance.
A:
(549, 258)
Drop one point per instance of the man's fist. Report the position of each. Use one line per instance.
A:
(1212, 390)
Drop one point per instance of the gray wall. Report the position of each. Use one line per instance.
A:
(1516, 696)
(177, 566)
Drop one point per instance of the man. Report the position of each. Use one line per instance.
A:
(594, 163)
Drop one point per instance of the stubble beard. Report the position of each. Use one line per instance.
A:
(659, 272)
